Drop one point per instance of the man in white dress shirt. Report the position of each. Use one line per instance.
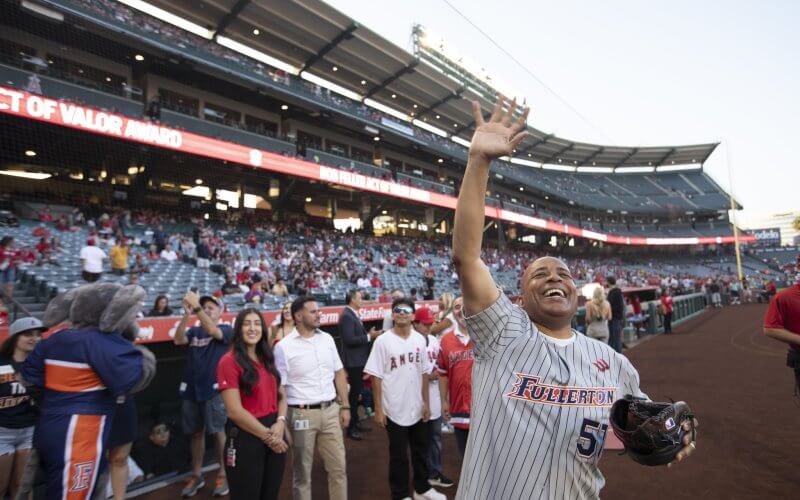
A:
(316, 383)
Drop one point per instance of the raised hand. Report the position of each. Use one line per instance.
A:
(498, 136)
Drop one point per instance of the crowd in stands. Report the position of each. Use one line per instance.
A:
(258, 259)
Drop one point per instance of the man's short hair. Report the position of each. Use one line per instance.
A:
(300, 302)
(348, 298)
(413, 291)
(611, 280)
(403, 300)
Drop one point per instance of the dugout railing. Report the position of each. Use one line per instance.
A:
(650, 322)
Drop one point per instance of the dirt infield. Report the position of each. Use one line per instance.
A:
(735, 380)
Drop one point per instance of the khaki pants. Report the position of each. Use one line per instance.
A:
(325, 432)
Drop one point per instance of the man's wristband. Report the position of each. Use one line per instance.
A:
(344, 408)
(197, 309)
(282, 418)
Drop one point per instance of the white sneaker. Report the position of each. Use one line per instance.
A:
(431, 494)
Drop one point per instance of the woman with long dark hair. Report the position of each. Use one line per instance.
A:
(160, 307)
(18, 414)
(284, 326)
(255, 450)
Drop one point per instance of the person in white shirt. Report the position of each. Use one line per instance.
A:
(363, 282)
(92, 261)
(316, 383)
(169, 254)
(400, 369)
(423, 321)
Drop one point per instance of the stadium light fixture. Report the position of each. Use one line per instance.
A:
(308, 199)
(133, 170)
(284, 107)
(376, 138)
(384, 212)
(455, 125)
(363, 82)
(108, 78)
(36, 176)
(521, 188)
(335, 69)
(394, 96)
(257, 55)
(386, 109)
(437, 117)
(634, 170)
(53, 15)
(560, 168)
(31, 153)
(430, 128)
(198, 181)
(596, 170)
(440, 160)
(139, 57)
(460, 141)
(256, 32)
(527, 163)
(311, 77)
(169, 17)
(677, 168)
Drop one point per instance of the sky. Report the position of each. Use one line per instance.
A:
(658, 73)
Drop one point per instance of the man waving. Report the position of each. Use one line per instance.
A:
(541, 392)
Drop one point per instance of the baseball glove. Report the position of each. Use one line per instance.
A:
(651, 432)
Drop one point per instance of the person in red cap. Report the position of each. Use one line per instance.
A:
(782, 322)
(423, 321)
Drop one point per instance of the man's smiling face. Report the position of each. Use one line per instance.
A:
(549, 295)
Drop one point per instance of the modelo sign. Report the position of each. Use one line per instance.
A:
(769, 236)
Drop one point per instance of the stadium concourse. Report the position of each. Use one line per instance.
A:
(715, 359)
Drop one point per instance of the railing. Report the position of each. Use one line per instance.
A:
(74, 92)
(684, 308)
(16, 307)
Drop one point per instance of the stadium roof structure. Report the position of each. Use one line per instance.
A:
(310, 36)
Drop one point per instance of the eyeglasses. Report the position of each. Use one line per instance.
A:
(160, 430)
(403, 310)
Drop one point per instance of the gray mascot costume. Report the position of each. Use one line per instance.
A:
(82, 370)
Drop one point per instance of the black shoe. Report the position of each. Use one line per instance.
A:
(441, 481)
(363, 428)
(354, 435)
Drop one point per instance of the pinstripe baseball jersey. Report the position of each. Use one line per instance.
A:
(539, 409)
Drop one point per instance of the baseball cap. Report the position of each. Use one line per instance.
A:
(206, 298)
(25, 324)
(424, 316)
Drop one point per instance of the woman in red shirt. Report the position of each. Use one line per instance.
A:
(255, 402)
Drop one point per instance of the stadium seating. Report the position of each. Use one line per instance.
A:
(650, 193)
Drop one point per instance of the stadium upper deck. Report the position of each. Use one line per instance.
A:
(650, 190)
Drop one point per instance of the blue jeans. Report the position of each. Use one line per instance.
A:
(435, 447)
(615, 334)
